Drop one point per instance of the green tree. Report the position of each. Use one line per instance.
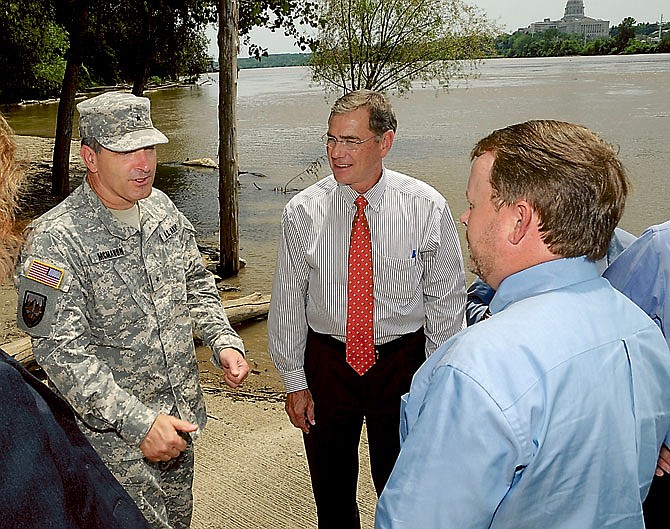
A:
(132, 40)
(637, 46)
(664, 45)
(624, 33)
(518, 45)
(32, 46)
(388, 44)
(598, 47)
(569, 45)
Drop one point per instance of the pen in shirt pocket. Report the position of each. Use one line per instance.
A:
(413, 253)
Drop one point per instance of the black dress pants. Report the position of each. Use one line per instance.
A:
(655, 506)
(342, 400)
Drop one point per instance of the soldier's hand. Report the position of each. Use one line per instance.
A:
(235, 367)
(163, 441)
(300, 409)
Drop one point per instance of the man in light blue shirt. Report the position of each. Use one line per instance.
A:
(551, 412)
(644, 276)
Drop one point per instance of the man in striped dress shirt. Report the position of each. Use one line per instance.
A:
(418, 302)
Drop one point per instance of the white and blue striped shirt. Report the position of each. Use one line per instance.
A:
(417, 263)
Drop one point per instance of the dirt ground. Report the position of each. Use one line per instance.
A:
(251, 471)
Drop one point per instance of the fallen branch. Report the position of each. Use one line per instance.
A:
(240, 394)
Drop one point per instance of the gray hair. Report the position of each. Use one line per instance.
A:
(382, 117)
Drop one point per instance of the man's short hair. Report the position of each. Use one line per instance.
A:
(93, 144)
(382, 117)
(571, 177)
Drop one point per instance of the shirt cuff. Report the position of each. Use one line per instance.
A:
(224, 342)
(294, 380)
(216, 357)
(137, 424)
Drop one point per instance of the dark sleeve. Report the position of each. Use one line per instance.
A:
(50, 475)
(480, 295)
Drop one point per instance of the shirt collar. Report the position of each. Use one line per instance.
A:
(541, 278)
(115, 226)
(373, 195)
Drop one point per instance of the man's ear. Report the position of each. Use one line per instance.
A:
(523, 217)
(386, 142)
(90, 158)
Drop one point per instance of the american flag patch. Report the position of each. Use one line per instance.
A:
(45, 273)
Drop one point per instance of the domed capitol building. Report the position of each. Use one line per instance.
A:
(573, 21)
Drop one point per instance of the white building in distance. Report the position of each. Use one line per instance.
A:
(574, 21)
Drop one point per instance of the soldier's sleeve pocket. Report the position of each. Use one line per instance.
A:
(40, 287)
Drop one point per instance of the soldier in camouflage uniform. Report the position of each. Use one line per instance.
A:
(111, 287)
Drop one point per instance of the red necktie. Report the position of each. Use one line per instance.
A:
(360, 304)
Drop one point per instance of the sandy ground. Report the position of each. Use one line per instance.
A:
(251, 471)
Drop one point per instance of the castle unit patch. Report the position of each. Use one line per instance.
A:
(32, 309)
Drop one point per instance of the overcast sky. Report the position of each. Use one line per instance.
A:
(514, 14)
(510, 15)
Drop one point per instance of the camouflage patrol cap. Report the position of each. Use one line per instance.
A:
(119, 121)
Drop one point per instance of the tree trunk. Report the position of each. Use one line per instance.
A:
(141, 78)
(60, 172)
(144, 53)
(229, 264)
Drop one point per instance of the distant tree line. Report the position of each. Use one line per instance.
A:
(274, 60)
(144, 42)
(627, 38)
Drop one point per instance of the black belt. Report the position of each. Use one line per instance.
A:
(380, 350)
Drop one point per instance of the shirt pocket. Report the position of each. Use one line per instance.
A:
(116, 295)
(396, 279)
(169, 278)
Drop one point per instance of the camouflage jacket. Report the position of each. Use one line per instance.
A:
(111, 311)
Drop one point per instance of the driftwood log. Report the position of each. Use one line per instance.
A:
(201, 162)
(23, 353)
(238, 310)
(247, 308)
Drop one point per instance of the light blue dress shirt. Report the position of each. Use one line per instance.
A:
(480, 294)
(643, 274)
(548, 414)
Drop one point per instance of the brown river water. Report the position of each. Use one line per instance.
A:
(281, 116)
